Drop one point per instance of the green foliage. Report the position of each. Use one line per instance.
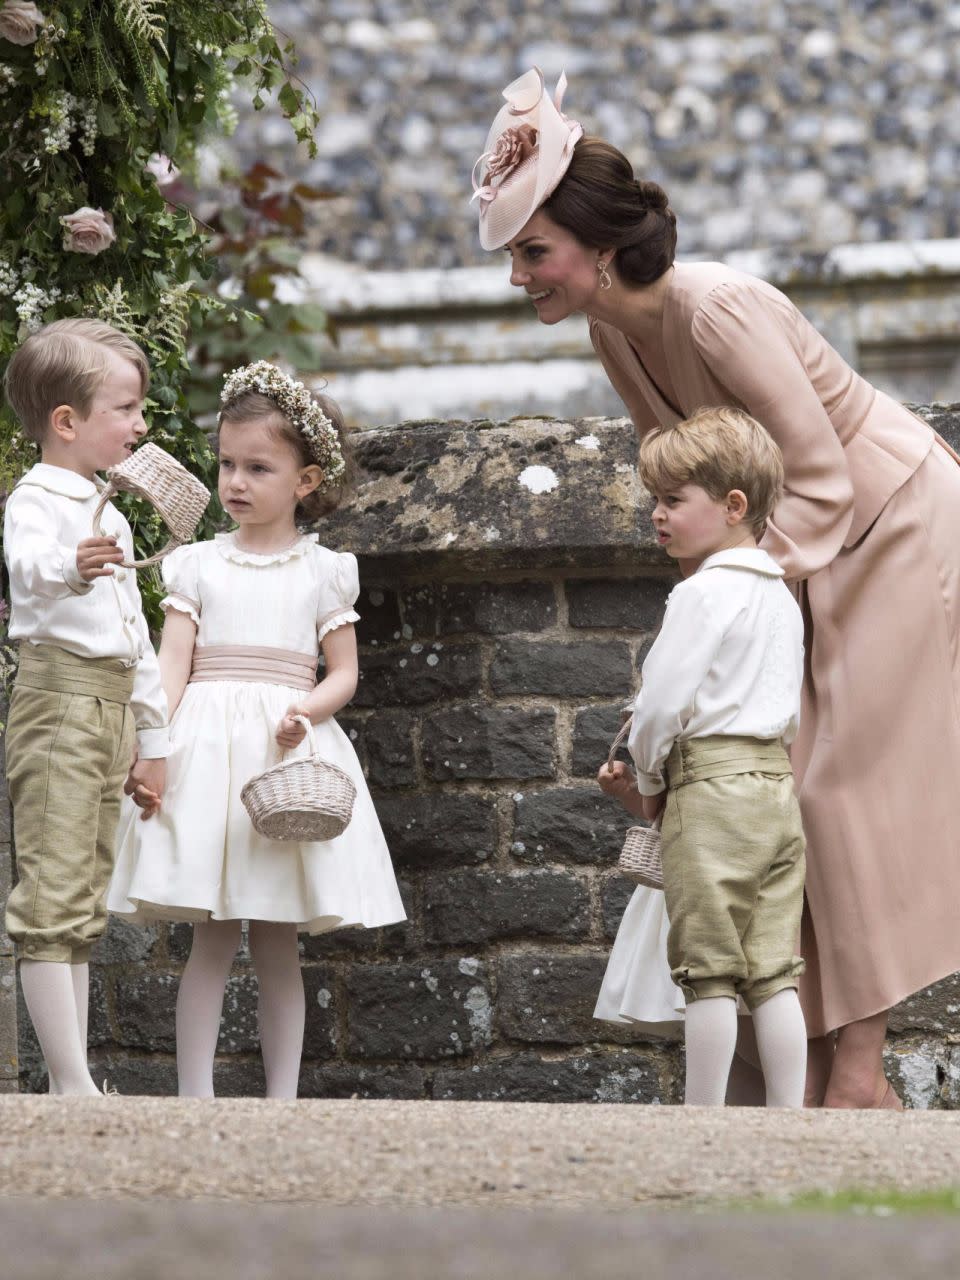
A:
(108, 87)
(257, 234)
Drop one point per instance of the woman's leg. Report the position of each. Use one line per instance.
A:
(820, 1050)
(745, 1087)
(200, 1004)
(281, 1006)
(782, 1041)
(711, 1034)
(857, 1078)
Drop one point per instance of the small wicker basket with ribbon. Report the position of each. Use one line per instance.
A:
(178, 496)
(640, 856)
(302, 799)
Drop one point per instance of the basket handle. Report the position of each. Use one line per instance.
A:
(109, 492)
(310, 736)
(621, 735)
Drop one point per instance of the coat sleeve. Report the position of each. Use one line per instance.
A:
(752, 346)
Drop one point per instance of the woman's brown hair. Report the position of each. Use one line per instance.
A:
(606, 207)
(252, 406)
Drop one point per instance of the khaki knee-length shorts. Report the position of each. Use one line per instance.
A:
(68, 748)
(733, 869)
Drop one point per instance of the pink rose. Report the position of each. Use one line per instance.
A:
(20, 22)
(162, 168)
(87, 231)
(512, 148)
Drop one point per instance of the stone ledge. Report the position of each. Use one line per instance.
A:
(460, 496)
(454, 498)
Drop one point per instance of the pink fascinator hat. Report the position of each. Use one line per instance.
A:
(527, 152)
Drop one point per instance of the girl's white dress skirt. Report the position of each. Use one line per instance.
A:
(637, 987)
(200, 858)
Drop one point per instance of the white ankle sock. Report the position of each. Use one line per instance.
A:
(782, 1041)
(48, 989)
(281, 1007)
(200, 1004)
(711, 1034)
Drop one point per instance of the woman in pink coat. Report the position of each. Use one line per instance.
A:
(868, 533)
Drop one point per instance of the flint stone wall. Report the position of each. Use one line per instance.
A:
(511, 589)
(770, 124)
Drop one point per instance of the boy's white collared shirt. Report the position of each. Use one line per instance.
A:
(728, 660)
(48, 513)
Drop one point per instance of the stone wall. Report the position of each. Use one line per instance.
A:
(800, 124)
(511, 588)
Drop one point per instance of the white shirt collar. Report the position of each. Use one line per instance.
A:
(69, 484)
(743, 558)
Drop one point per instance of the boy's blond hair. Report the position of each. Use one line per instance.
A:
(65, 363)
(719, 450)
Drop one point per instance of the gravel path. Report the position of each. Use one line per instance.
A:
(486, 1154)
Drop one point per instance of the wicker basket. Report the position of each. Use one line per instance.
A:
(179, 496)
(303, 799)
(640, 856)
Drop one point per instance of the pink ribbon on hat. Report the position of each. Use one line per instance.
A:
(486, 192)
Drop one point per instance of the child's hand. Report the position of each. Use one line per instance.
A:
(145, 783)
(621, 783)
(290, 733)
(95, 556)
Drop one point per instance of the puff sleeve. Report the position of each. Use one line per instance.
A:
(338, 593)
(181, 580)
(753, 343)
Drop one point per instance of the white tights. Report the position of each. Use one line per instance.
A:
(57, 996)
(281, 1008)
(711, 1034)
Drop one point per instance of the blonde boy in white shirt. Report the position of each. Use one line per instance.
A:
(87, 677)
(719, 703)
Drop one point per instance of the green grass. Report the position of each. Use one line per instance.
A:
(880, 1204)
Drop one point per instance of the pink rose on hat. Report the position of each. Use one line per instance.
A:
(527, 152)
(20, 22)
(513, 147)
(87, 231)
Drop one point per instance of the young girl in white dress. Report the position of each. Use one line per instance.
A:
(247, 616)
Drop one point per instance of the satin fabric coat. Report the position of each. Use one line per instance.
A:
(868, 532)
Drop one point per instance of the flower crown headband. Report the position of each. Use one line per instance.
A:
(297, 405)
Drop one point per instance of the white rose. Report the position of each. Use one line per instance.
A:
(20, 22)
(87, 231)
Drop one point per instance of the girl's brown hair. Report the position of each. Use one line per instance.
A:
(252, 406)
(606, 207)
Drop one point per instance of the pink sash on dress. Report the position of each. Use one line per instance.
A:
(257, 663)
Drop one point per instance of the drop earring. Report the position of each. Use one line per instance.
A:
(605, 281)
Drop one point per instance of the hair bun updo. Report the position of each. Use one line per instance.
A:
(652, 196)
(599, 201)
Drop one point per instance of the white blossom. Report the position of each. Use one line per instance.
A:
(8, 278)
(32, 301)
